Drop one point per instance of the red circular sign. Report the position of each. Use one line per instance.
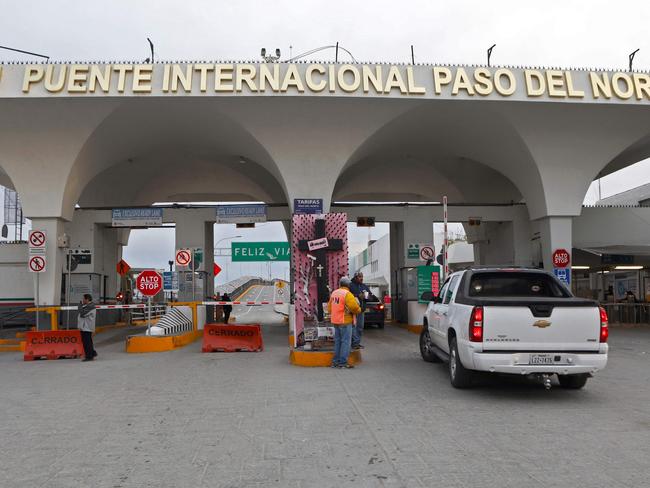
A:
(37, 264)
(149, 282)
(561, 258)
(37, 238)
(183, 257)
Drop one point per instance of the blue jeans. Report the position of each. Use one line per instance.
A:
(358, 330)
(342, 338)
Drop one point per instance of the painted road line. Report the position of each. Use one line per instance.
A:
(250, 308)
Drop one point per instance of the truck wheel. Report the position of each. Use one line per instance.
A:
(459, 376)
(426, 347)
(380, 325)
(573, 381)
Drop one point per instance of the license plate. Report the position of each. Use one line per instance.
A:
(541, 359)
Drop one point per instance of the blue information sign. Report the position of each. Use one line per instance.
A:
(241, 214)
(137, 217)
(308, 205)
(563, 274)
(170, 281)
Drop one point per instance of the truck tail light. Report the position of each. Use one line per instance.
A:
(604, 325)
(476, 325)
(380, 307)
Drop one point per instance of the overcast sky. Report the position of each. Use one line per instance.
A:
(574, 33)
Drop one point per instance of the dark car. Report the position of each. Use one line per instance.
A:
(375, 313)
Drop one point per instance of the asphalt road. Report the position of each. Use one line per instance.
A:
(187, 419)
(263, 314)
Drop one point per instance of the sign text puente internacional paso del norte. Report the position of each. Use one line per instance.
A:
(197, 79)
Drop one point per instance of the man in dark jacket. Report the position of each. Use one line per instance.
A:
(226, 308)
(360, 292)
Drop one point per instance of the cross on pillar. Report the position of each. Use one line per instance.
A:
(321, 262)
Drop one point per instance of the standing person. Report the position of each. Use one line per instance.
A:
(218, 310)
(343, 306)
(361, 292)
(86, 324)
(226, 308)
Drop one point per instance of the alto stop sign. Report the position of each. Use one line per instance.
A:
(561, 258)
(149, 282)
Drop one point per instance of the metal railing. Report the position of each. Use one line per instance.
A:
(627, 313)
(141, 314)
(16, 317)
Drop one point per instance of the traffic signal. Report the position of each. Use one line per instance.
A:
(440, 259)
(365, 221)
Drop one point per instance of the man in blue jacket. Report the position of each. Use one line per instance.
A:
(361, 292)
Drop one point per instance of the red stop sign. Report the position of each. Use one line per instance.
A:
(149, 282)
(561, 258)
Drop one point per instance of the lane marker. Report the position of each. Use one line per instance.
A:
(250, 307)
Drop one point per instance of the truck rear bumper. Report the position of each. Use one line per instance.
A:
(519, 363)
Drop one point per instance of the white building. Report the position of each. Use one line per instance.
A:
(374, 261)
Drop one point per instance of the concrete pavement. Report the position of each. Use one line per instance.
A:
(186, 419)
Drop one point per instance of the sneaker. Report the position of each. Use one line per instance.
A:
(334, 365)
(356, 347)
(86, 359)
(347, 366)
(360, 346)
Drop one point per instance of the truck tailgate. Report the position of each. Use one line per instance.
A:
(516, 328)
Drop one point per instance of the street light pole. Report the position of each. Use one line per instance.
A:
(224, 239)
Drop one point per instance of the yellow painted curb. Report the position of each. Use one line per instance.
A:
(138, 344)
(144, 322)
(9, 342)
(11, 345)
(315, 359)
(415, 329)
(238, 299)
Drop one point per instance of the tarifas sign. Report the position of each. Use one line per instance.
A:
(354, 79)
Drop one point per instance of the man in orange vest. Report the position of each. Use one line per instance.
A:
(343, 307)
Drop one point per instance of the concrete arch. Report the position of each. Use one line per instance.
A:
(159, 135)
(424, 177)
(5, 179)
(155, 178)
(453, 139)
(634, 153)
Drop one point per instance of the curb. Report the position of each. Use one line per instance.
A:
(139, 344)
(319, 359)
(413, 329)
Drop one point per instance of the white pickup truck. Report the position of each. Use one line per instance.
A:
(514, 321)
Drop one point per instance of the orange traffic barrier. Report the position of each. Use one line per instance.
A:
(53, 344)
(231, 338)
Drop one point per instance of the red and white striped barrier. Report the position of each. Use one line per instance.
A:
(110, 307)
(252, 304)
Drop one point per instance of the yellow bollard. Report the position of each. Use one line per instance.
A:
(195, 318)
(54, 318)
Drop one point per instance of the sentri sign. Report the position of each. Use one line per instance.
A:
(201, 79)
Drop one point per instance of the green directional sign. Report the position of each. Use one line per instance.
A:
(428, 280)
(260, 251)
